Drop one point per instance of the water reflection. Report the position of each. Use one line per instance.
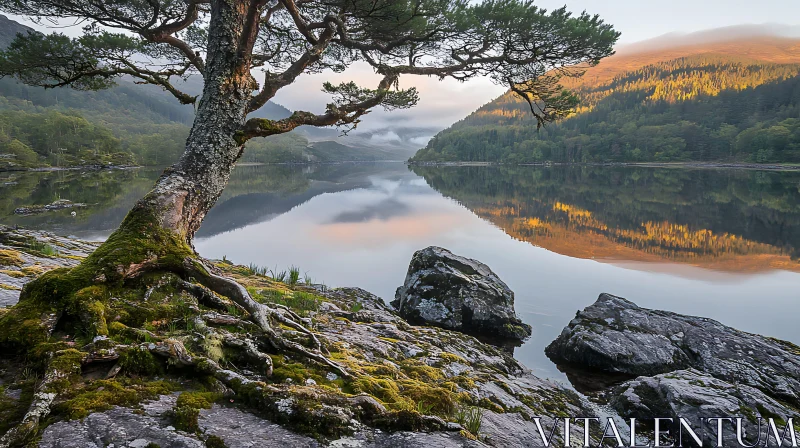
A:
(709, 243)
(726, 220)
(108, 195)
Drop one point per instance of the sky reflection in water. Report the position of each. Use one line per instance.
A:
(365, 237)
(706, 243)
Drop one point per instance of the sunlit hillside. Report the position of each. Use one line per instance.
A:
(734, 100)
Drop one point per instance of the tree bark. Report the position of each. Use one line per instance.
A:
(187, 190)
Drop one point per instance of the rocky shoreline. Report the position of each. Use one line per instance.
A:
(438, 377)
(442, 387)
(92, 167)
(686, 367)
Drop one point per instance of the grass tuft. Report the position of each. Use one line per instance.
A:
(470, 417)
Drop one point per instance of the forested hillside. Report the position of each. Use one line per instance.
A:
(730, 101)
(127, 124)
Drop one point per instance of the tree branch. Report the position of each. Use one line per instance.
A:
(273, 84)
(347, 112)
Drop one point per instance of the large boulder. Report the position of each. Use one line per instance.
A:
(445, 290)
(615, 335)
(693, 395)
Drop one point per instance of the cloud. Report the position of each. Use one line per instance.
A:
(441, 102)
(422, 141)
(385, 137)
(385, 210)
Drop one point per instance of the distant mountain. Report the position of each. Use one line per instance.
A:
(9, 30)
(126, 124)
(709, 96)
(144, 124)
(741, 220)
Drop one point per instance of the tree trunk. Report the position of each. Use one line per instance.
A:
(187, 190)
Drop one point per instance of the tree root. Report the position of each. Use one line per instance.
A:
(92, 298)
(261, 314)
(265, 397)
(250, 350)
(63, 365)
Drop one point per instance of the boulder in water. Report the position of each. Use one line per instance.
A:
(449, 291)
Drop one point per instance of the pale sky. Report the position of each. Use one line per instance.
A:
(443, 103)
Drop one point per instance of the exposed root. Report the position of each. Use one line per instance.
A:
(250, 350)
(269, 398)
(260, 314)
(224, 319)
(174, 350)
(63, 365)
(206, 296)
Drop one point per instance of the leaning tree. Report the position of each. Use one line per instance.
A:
(247, 51)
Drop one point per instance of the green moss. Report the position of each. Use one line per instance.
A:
(418, 370)
(187, 409)
(464, 382)
(9, 257)
(450, 357)
(438, 400)
(407, 394)
(67, 360)
(555, 403)
(185, 418)
(490, 405)
(197, 400)
(12, 411)
(81, 292)
(213, 441)
(140, 362)
(32, 270)
(101, 395)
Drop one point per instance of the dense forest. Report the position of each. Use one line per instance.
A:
(128, 124)
(707, 106)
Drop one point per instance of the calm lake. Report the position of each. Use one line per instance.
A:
(716, 243)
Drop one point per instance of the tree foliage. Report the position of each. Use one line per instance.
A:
(512, 42)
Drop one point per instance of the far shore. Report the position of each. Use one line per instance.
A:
(705, 165)
(700, 165)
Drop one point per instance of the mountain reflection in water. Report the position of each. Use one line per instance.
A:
(716, 243)
(733, 220)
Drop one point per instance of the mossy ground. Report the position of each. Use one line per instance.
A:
(10, 257)
(100, 299)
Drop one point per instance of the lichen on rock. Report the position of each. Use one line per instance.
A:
(449, 291)
(616, 335)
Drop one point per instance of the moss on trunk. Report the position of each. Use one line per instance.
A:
(82, 294)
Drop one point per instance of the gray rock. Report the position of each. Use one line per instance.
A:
(19, 240)
(445, 290)
(241, 429)
(615, 335)
(692, 395)
(120, 427)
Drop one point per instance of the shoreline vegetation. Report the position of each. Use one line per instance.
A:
(710, 165)
(693, 165)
